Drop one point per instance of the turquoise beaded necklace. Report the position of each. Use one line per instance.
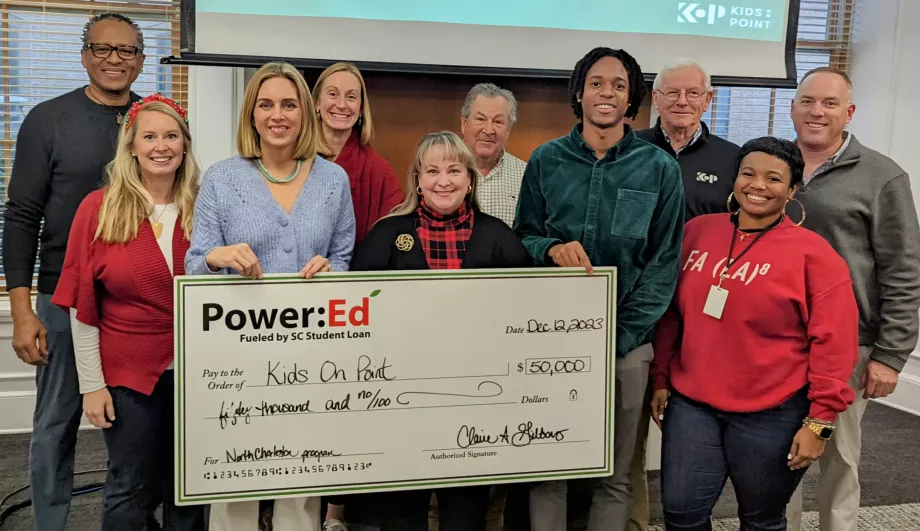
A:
(274, 179)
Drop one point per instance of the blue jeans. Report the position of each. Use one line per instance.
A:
(58, 405)
(141, 466)
(702, 446)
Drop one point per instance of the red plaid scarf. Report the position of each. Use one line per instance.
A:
(443, 237)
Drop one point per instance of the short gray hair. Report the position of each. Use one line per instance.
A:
(682, 62)
(489, 90)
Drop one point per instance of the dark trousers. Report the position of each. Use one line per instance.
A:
(58, 405)
(459, 509)
(702, 446)
(141, 469)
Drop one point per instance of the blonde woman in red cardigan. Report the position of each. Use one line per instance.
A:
(126, 243)
(344, 111)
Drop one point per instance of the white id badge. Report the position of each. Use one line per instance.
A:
(715, 302)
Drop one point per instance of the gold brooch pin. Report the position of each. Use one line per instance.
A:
(404, 242)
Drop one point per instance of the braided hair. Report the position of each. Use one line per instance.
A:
(637, 89)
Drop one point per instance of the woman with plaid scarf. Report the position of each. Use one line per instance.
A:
(438, 226)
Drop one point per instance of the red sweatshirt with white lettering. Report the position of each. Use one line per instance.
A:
(790, 320)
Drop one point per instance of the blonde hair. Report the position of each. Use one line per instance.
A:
(454, 149)
(126, 202)
(367, 127)
(310, 141)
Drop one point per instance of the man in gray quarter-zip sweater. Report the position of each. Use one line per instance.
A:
(861, 202)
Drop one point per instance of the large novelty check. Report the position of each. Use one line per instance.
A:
(359, 382)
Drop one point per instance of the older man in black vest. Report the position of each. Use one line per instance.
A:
(681, 93)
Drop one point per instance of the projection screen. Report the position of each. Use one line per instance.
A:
(732, 38)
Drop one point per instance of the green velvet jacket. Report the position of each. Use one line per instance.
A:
(626, 209)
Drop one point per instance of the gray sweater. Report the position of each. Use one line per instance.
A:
(864, 207)
(61, 152)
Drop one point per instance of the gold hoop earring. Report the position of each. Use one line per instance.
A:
(470, 189)
(728, 204)
(418, 190)
(801, 206)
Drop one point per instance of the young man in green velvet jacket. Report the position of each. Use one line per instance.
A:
(600, 196)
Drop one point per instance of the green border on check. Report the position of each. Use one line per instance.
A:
(182, 499)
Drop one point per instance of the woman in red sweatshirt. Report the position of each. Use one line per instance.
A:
(344, 112)
(753, 358)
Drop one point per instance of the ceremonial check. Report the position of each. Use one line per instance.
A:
(363, 382)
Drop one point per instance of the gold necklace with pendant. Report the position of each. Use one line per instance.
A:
(156, 225)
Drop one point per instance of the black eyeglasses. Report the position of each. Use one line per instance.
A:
(103, 51)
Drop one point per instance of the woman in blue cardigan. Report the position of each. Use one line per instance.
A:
(278, 207)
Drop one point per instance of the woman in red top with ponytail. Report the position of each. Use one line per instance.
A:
(753, 358)
(344, 112)
(126, 243)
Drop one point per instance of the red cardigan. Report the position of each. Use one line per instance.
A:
(126, 291)
(375, 190)
(790, 320)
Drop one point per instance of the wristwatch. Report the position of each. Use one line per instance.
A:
(821, 428)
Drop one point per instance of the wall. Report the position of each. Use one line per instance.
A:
(886, 74)
(17, 383)
(405, 107)
(903, 148)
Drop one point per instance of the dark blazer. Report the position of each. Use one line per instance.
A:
(492, 245)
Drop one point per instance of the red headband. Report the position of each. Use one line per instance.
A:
(138, 105)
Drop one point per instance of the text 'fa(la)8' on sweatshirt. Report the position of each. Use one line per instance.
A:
(790, 320)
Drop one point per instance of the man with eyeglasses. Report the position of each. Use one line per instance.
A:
(682, 92)
(61, 151)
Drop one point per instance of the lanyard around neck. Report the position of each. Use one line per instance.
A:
(729, 261)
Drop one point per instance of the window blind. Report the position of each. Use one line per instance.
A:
(740, 114)
(40, 43)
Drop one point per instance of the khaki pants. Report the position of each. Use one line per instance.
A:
(638, 475)
(495, 514)
(612, 499)
(838, 496)
(291, 514)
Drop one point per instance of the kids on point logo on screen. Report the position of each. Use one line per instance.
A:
(740, 17)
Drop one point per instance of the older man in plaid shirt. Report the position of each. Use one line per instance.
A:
(488, 114)
(486, 119)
